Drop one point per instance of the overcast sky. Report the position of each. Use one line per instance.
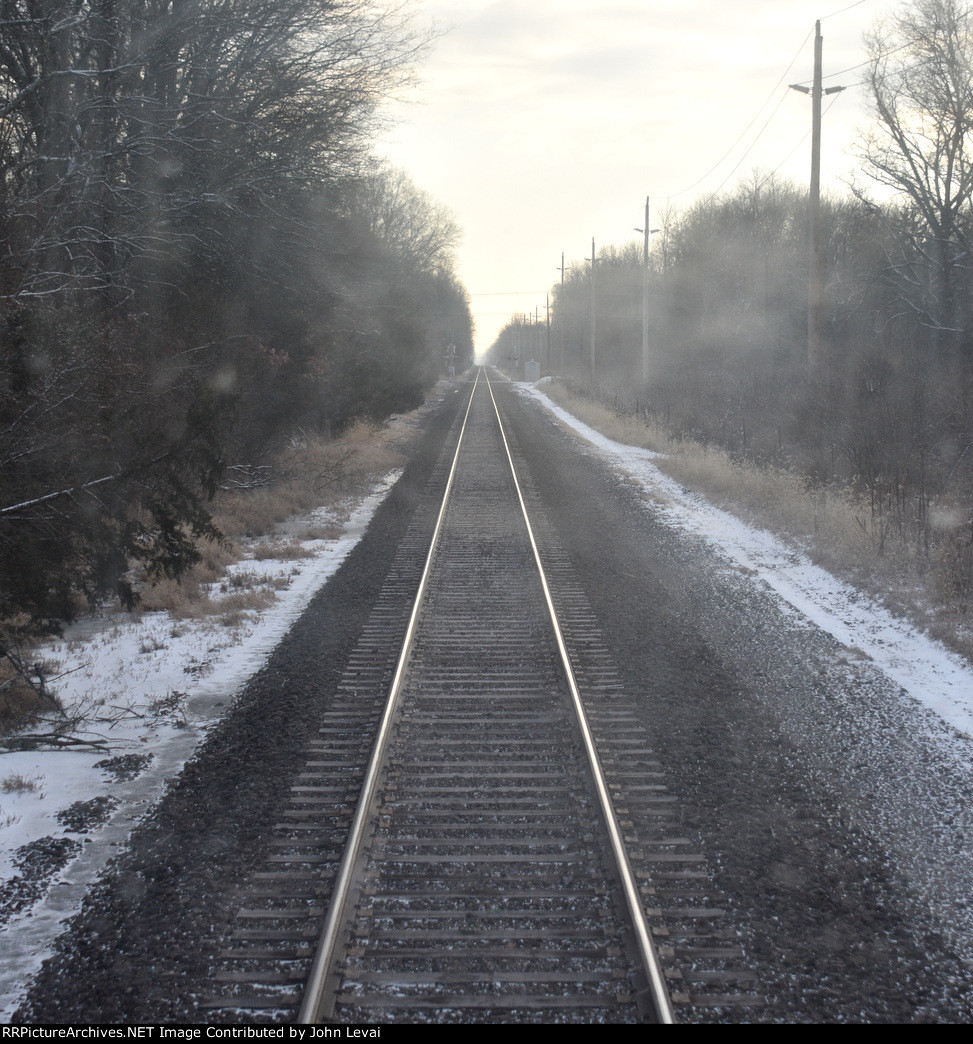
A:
(542, 123)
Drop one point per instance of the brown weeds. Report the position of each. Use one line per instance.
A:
(15, 783)
(24, 693)
(280, 551)
(311, 472)
(926, 577)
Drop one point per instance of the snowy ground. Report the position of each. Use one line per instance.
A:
(151, 689)
(159, 684)
(887, 735)
(926, 670)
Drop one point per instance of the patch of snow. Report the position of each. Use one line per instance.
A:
(152, 686)
(937, 678)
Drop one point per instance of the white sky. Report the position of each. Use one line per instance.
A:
(540, 124)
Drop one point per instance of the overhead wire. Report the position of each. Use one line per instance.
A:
(833, 14)
(877, 58)
(843, 9)
(682, 192)
(781, 101)
(766, 123)
(803, 139)
(747, 153)
(860, 65)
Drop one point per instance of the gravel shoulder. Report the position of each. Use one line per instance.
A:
(140, 948)
(832, 805)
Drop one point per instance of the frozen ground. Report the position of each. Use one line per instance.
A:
(159, 684)
(926, 670)
(877, 718)
(150, 689)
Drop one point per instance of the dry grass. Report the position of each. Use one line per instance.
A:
(309, 473)
(190, 600)
(923, 579)
(18, 784)
(25, 695)
(19, 701)
(281, 551)
(183, 599)
(321, 532)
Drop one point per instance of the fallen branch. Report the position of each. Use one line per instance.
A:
(55, 740)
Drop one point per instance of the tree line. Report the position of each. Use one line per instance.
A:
(889, 412)
(198, 256)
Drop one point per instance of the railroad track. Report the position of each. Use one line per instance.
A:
(505, 848)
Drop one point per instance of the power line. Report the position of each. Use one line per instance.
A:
(746, 130)
(861, 65)
(833, 14)
(779, 103)
(747, 153)
(878, 57)
(803, 139)
(783, 76)
(842, 11)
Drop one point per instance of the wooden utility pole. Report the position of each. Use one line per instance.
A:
(594, 309)
(561, 315)
(547, 325)
(814, 276)
(645, 298)
(814, 216)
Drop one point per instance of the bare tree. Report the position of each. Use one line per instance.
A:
(176, 258)
(413, 225)
(921, 86)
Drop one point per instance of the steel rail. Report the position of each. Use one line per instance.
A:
(322, 965)
(309, 1012)
(650, 959)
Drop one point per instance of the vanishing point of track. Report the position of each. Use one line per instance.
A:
(472, 862)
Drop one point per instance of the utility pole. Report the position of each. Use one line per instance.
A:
(594, 310)
(814, 277)
(645, 298)
(645, 293)
(537, 334)
(814, 216)
(547, 328)
(561, 315)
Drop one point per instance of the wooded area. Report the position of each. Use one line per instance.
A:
(888, 414)
(199, 257)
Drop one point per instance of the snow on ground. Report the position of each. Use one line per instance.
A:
(937, 678)
(150, 687)
(158, 684)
